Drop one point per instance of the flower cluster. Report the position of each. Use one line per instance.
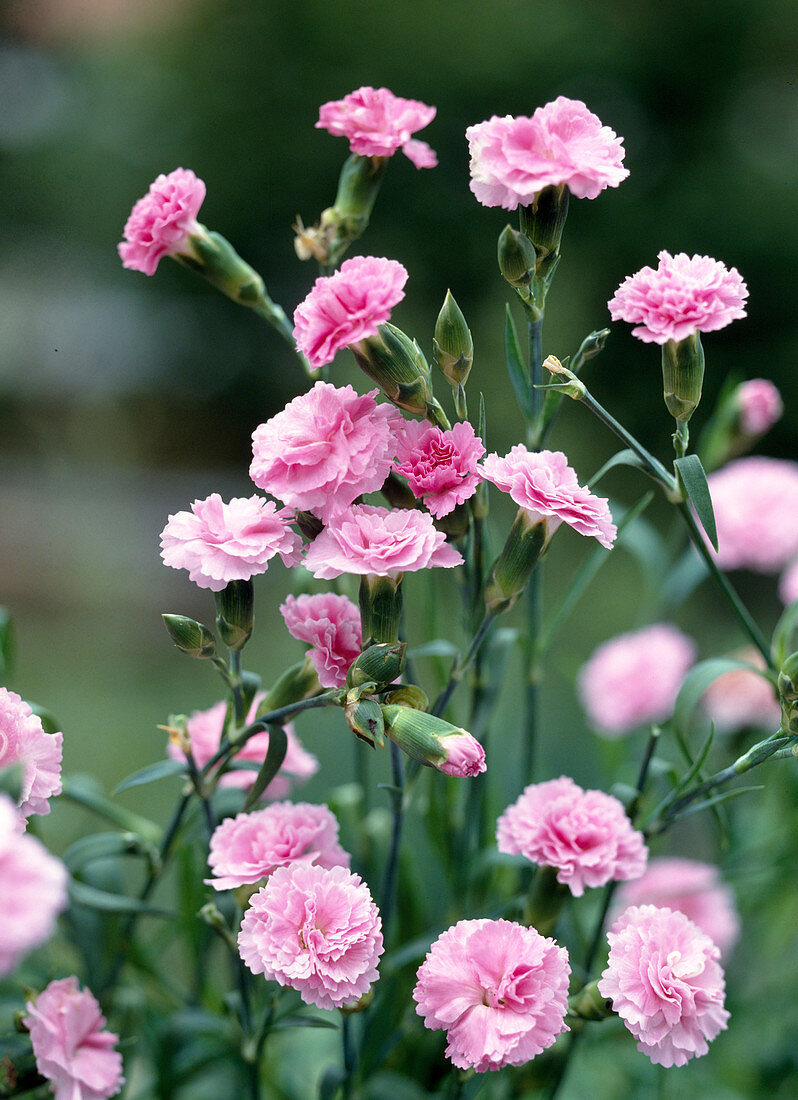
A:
(377, 123)
(161, 222)
(24, 741)
(331, 625)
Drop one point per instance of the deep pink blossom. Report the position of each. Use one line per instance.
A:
(218, 543)
(331, 624)
(249, 847)
(634, 678)
(23, 741)
(72, 1048)
(759, 404)
(498, 989)
(315, 929)
(544, 485)
(788, 585)
(665, 982)
(377, 123)
(465, 757)
(440, 466)
(742, 698)
(685, 295)
(513, 159)
(385, 543)
(347, 307)
(326, 448)
(162, 221)
(755, 501)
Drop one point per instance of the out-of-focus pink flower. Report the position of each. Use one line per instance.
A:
(634, 678)
(499, 990)
(348, 306)
(691, 887)
(544, 485)
(685, 295)
(315, 929)
(72, 1048)
(513, 159)
(364, 539)
(377, 123)
(788, 585)
(760, 406)
(440, 466)
(465, 757)
(218, 543)
(586, 835)
(665, 982)
(24, 741)
(755, 501)
(742, 698)
(325, 448)
(33, 886)
(162, 221)
(331, 624)
(249, 847)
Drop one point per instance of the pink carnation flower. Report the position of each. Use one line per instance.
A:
(316, 930)
(325, 448)
(544, 485)
(385, 543)
(348, 306)
(692, 888)
(33, 886)
(24, 741)
(73, 1050)
(760, 406)
(634, 678)
(249, 847)
(586, 835)
(440, 466)
(331, 624)
(162, 221)
(665, 982)
(513, 159)
(788, 585)
(742, 698)
(755, 501)
(683, 296)
(465, 756)
(377, 123)
(218, 543)
(498, 989)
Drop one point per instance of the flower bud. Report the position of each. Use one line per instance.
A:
(517, 257)
(191, 637)
(682, 376)
(512, 569)
(298, 682)
(397, 364)
(543, 222)
(408, 695)
(235, 613)
(434, 742)
(453, 344)
(381, 663)
(346, 220)
(364, 718)
(788, 681)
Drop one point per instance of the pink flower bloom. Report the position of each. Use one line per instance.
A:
(498, 989)
(760, 406)
(465, 757)
(544, 485)
(513, 159)
(348, 306)
(162, 221)
(33, 886)
(683, 296)
(692, 888)
(755, 500)
(24, 741)
(385, 543)
(377, 123)
(788, 585)
(634, 678)
(249, 847)
(440, 466)
(325, 448)
(316, 930)
(331, 624)
(73, 1050)
(665, 983)
(219, 542)
(742, 698)
(586, 835)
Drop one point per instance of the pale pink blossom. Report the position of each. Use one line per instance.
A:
(465, 757)
(325, 449)
(377, 123)
(315, 929)
(385, 543)
(741, 698)
(543, 484)
(249, 847)
(586, 835)
(331, 625)
(665, 982)
(513, 159)
(161, 222)
(634, 678)
(788, 585)
(691, 887)
(685, 295)
(759, 404)
(440, 466)
(499, 990)
(24, 741)
(218, 543)
(33, 888)
(756, 501)
(72, 1048)
(347, 307)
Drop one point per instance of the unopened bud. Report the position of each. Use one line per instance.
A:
(408, 695)
(682, 376)
(298, 682)
(453, 344)
(517, 257)
(434, 742)
(512, 569)
(191, 637)
(235, 613)
(381, 663)
(397, 364)
(788, 680)
(364, 718)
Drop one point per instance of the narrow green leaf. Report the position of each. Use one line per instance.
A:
(278, 746)
(516, 367)
(626, 457)
(783, 645)
(694, 480)
(85, 791)
(710, 803)
(152, 772)
(438, 647)
(482, 425)
(305, 1021)
(696, 683)
(83, 894)
(100, 846)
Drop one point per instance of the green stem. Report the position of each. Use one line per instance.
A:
(277, 318)
(235, 683)
(461, 667)
(653, 465)
(392, 865)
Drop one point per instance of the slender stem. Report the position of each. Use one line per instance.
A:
(461, 667)
(349, 1052)
(392, 866)
(196, 779)
(277, 318)
(535, 341)
(653, 465)
(235, 684)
